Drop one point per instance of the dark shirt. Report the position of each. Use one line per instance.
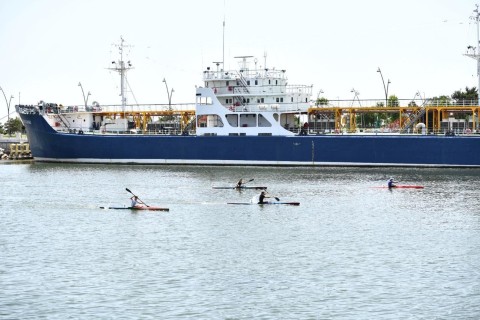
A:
(260, 199)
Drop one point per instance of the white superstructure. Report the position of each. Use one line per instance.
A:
(250, 102)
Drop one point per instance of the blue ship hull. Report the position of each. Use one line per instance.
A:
(342, 150)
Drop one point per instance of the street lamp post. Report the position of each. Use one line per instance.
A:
(385, 88)
(8, 103)
(85, 99)
(356, 93)
(169, 95)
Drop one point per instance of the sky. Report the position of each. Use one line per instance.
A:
(48, 46)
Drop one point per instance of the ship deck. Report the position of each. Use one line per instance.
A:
(337, 116)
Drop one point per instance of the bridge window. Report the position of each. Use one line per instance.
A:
(232, 120)
(209, 120)
(204, 100)
(248, 120)
(262, 122)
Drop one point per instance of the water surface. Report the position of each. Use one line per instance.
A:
(349, 251)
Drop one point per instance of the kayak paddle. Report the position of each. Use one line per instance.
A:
(244, 183)
(137, 197)
(276, 198)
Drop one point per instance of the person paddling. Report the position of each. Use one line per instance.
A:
(262, 197)
(391, 183)
(136, 202)
(240, 183)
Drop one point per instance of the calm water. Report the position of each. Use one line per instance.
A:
(349, 251)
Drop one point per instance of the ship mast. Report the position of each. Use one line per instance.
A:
(121, 67)
(474, 52)
(223, 38)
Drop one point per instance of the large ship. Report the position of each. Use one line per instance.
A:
(252, 116)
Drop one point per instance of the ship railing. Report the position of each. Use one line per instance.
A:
(299, 89)
(131, 108)
(369, 103)
(274, 107)
(26, 109)
(246, 73)
(325, 128)
(166, 131)
(451, 103)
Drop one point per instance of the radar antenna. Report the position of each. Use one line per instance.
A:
(218, 63)
(122, 67)
(243, 63)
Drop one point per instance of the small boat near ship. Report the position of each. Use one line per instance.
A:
(241, 185)
(137, 208)
(249, 116)
(260, 200)
(294, 203)
(241, 188)
(400, 186)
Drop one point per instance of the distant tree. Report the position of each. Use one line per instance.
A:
(368, 119)
(470, 94)
(441, 101)
(1, 129)
(393, 101)
(412, 104)
(321, 101)
(13, 125)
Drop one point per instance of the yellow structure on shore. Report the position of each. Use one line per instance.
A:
(20, 151)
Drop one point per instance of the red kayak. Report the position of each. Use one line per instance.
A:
(150, 208)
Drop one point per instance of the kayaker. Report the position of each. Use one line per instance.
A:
(239, 183)
(391, 183)
(135, 201)
(262, 196)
